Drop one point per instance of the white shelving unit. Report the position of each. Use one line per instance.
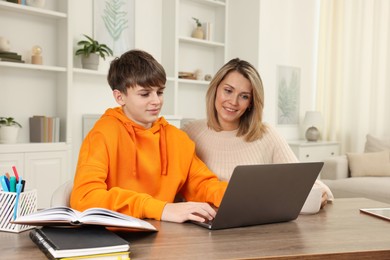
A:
(182, 53)
(44, 166)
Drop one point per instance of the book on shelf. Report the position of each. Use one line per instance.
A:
(208, 29)
(65, 216)
(11, 60)
(80, 243)
(10, 55)
(44, 129)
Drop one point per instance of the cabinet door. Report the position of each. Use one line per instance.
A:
(45, 171)
(9, 160)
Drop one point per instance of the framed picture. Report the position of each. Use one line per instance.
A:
(288, 80)
(113, 24)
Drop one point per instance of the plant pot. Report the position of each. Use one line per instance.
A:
(197, 33)
(9, 134)
(90, 62)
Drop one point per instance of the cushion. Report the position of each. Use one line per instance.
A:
(375, 144)
(369, 164)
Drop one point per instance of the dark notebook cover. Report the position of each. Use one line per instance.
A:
(58, 242)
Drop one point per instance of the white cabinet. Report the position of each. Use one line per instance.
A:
(29, 89)
(43, 169)
(182, 53)
(314, 151)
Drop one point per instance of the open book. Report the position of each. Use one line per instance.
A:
(65, 216)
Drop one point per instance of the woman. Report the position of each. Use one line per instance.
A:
(234, 132)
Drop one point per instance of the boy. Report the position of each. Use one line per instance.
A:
(134, 162)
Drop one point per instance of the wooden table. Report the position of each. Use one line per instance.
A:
(339, 231)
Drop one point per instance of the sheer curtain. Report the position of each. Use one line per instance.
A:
(353, 77)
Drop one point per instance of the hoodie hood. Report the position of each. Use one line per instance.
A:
(133, 129)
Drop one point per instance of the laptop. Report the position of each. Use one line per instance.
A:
(264, 194)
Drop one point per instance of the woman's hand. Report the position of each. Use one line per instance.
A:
(324, 199)
(183, 211)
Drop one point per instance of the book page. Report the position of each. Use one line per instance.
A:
(101, 216)
(55, 214)
(94, 216)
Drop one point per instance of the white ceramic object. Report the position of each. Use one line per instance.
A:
(313, 202)
(36, 3)
(9, 134)
(4, 44)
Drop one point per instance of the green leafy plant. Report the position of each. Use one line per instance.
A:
(198, 23)
(9, 121)
(92, 46)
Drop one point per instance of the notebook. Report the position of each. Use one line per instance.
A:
(263, 194)
(60, 242)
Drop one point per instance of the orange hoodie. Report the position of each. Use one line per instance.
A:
(126, 168)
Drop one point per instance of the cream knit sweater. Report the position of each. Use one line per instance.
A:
(222, 151)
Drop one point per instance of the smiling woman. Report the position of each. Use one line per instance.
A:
(234, 133)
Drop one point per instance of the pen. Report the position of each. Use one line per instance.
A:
(12, 184)
(16, 173)
(18, 191)
(23, 185)
(4, 183)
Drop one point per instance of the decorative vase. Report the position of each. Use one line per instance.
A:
(312, 134)
(9, 134)
(90, 62)
(197, 33)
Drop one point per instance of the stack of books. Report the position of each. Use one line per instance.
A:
(44, 129)
(80, 243)
(10, 57)
(70, 234)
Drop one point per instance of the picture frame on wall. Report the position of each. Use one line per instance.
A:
(113, 24)
(288, 89)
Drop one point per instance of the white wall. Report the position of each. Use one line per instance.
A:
(269, 33)
(288, 37)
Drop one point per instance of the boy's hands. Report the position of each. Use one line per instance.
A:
(183, 211)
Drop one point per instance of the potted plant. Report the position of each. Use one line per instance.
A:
(91, 51)
(198, 31)
(9, 130)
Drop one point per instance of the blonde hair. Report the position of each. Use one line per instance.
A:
(251, 126)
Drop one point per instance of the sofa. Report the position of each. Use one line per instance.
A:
(365, 174)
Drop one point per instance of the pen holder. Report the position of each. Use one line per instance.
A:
(27, 205)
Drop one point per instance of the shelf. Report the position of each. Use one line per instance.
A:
(23, 9)
(89, 72)
(31, 66)
(171, 79)
(193, 81)
(33, 147)
(200, 42)
(210, 2)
